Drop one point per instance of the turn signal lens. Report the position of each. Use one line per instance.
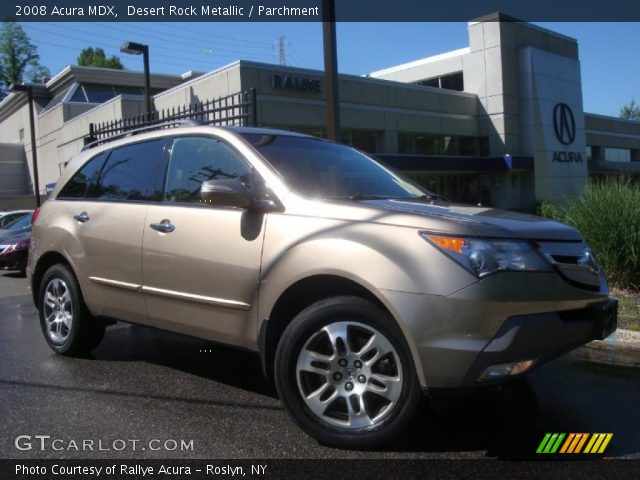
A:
(453, 244)
(496, 372)
(34, 217)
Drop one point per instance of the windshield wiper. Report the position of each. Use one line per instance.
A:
(431, 196)
(357, 197)
(361, 196)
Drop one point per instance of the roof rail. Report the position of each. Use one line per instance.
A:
(189, 122)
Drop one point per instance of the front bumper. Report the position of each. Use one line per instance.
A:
(16, 260)
(503, 318)
(543, 337)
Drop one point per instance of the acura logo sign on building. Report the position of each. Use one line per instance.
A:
(564, 126)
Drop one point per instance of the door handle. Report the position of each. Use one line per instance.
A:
(82, 217)
(165, 226)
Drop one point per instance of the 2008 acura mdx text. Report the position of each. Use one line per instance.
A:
(360, 290)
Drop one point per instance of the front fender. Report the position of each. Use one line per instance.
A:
(380, 258)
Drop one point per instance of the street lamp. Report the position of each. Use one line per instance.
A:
(332, 97)
(134, 48)
(32, 127)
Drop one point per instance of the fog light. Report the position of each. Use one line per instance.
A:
(496, 372)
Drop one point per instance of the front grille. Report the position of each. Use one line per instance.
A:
(574, 261)
(568, 259)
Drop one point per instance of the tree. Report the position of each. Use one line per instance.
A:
(90, 57)
(630, 111)
(18, 58)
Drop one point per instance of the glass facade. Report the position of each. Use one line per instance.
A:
(617, 154)
(94, 93)
(426, 144)
(472, 188)
(366, 140)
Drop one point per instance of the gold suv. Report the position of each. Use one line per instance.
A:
(360, 290)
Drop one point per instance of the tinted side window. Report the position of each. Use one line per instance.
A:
(134, 172)
(83, 183)
(196, 159)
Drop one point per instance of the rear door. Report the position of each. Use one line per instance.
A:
(106, 204)
(201, 263)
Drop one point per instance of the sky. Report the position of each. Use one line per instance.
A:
(608, 51)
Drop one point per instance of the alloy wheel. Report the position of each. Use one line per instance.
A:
(349, 375)
(58, 310)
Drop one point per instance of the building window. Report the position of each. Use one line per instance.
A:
(97, 93)
(430, 82)
(425, 144)
(617, 154)
(453, 81)
(79, 95)
(467, 146)
(405, 142)
(313, 131)
(94, 93)
(471, 188)
(429, 144)
(368, 141)
(365, 140)
(21, 135)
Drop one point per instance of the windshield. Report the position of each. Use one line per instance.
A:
(324, 169)
(19, 223)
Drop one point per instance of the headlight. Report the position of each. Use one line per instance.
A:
(17, 247)
(485, 256)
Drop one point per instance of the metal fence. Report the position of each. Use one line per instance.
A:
(237, 109)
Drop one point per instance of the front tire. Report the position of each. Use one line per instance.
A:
(66, 323)
(345, 374)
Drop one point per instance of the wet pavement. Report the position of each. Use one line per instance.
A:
(162, 390)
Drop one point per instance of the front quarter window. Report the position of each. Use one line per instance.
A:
(197, 159)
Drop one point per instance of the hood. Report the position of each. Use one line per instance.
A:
(482, 221)
(15, 235)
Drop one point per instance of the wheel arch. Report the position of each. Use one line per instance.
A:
(303, 293)
(45, 261)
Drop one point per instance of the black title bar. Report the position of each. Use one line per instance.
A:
(310, 10)
(330, 469)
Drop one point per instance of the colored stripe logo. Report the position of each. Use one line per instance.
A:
(574, 443)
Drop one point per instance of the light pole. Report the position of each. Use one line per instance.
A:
(32, 127)
(134, 48)
(332, 97)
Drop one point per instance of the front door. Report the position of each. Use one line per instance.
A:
(201, 264)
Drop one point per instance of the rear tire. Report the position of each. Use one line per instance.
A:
(345, 374)
(67, 325)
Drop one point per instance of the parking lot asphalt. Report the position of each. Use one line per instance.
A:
(142, 384)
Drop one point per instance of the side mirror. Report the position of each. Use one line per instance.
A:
(229, 192)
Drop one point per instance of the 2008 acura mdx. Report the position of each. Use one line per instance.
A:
(360, 290)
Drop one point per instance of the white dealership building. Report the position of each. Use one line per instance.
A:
(500, 121)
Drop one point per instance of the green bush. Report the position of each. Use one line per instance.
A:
(608, 215)
(548, 209)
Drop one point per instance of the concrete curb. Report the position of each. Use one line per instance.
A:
(620, 349)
